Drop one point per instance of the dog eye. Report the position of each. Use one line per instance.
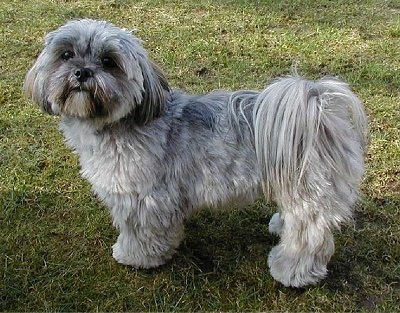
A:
(67, 55)
(108, 62)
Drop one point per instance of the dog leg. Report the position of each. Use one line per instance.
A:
(275, 224)
(146, 247)
(304, 251)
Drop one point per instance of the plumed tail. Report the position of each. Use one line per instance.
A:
(303, 129)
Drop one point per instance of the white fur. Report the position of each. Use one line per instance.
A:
(155, 155)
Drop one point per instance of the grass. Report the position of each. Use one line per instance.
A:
(55, 237)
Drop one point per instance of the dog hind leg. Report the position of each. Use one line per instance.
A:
(304, 250)
(275, 224)
(306, 222)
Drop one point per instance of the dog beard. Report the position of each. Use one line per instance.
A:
(155, 155)
(102, 96)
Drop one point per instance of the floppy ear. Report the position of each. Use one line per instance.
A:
(29, 83)
(153, 84)
(35, 82)
(155, 92)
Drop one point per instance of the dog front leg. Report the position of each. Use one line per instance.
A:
(146, 247)
(150, 232)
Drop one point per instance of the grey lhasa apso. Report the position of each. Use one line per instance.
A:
(155, 155)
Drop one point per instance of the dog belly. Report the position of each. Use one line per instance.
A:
(236, 199)
(225, 192)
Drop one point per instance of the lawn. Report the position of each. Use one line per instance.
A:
(56, 238)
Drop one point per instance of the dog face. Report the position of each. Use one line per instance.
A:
(94, 70)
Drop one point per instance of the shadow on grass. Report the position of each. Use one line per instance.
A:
(223, 256)
(364, 266)
(366, 261)
(216, 241)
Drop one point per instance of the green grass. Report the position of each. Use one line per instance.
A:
(55, 237)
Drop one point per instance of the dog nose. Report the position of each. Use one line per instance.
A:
(83, 73)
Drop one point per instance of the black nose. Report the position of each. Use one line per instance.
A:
(83, 73)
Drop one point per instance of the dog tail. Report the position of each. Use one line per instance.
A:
(303, 129)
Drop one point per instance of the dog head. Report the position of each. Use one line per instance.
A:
(94, 70)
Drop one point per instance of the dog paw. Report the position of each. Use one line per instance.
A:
(275, 224)
(296, 270)
(137, 261)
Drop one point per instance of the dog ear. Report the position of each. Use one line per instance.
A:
(156, 89)
(34, 83)
(29, 82)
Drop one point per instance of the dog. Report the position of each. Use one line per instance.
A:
(154, 155)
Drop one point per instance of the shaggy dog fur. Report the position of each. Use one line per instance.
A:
(154, 155)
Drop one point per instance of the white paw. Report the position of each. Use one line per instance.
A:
(136, 260)
(275, 224)
(295, 270)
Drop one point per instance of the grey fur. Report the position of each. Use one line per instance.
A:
(155, 155)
